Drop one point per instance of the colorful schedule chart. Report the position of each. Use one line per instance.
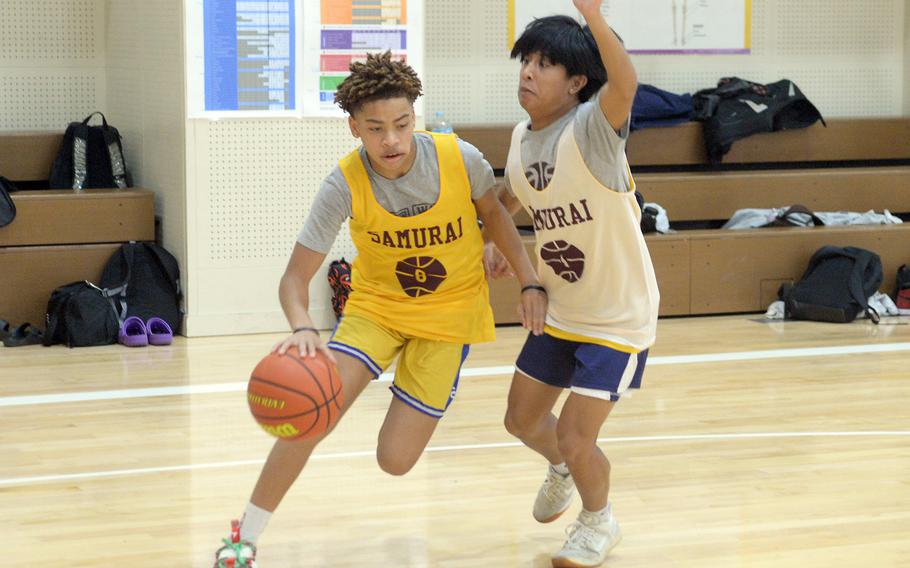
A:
(249, 55)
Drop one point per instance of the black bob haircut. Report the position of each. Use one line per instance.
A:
(562, 40)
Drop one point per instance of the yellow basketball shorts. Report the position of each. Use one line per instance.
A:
(426, 376)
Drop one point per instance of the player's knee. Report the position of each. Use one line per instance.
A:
(574, 447)
(392, 463)
(517, 424)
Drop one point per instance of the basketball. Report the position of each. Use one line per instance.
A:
(294, 397)
(420, 275)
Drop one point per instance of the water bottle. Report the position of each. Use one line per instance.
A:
(441, 125)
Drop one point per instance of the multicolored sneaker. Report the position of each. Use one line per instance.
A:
(902, 290)
(554, 496)
(340, 280)
(591, 538)
(236, 553)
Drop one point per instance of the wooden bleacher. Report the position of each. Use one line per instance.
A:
(852, 165)
(59, 236)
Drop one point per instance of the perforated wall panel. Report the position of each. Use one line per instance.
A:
(263, 175)
(811, 28)
(51, 62)
(832, 54)
(47, 101)
(50, 30)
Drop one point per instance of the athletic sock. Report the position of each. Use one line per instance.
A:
(253, 522)
(561, 469)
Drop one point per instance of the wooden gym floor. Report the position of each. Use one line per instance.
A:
(751, 444)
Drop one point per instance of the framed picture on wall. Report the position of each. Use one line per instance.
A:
(657, 26)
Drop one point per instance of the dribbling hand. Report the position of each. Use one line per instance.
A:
(307, 343)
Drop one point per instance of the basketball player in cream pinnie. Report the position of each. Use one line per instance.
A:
(567, 167)
(418, 283)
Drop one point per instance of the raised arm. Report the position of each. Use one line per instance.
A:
(617, 95)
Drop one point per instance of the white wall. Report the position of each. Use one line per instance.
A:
(144, 89)
(250, 184)
(847, 57)
(52, 62)
(906, 64)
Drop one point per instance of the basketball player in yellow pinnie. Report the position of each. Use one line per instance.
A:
(567, 167)
(418, 285)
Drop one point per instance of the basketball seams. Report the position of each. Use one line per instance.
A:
(315, 407)
(305, 420)
(318, 384)
(312, 400)
(282, 387)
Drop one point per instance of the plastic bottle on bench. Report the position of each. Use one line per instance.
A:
(440, 124)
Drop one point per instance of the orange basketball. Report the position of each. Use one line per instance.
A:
(294, 397)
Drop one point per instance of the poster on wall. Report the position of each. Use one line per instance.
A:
(657, 26)
(256, 58)
(344, 31)
(242, 58)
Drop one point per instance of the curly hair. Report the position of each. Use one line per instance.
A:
(377, 78)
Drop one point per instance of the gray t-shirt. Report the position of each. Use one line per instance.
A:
(409, 195)
(601, 146)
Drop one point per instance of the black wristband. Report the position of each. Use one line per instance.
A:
(313, 329)
(533, 287)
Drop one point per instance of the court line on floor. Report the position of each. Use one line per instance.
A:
(121, 394)
(19, 481)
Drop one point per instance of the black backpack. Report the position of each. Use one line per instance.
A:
(145, 279)
(836, 286)
(90, 157)
(81, 314)
(7, 205)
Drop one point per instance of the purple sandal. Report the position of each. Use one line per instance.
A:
(159, 332)
(133, 333)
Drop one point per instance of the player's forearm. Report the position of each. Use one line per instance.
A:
(621, 75)
(295, 300)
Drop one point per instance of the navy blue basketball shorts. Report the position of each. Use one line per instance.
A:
(586, 368)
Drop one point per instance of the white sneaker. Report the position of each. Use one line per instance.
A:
(591, 537)
(554, 496)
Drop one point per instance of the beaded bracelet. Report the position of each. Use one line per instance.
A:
(533, 287)
(313, 329)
